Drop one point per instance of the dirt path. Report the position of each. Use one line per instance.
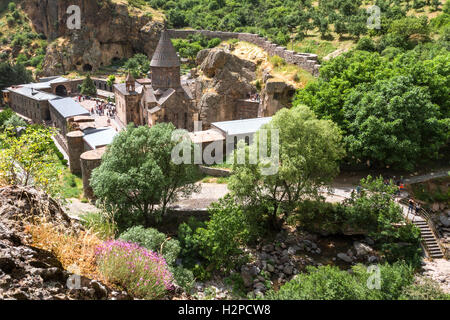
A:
(74, 208)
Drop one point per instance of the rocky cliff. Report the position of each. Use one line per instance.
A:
(30, 273)
(220, 80)
(110, 30)
(275, 94)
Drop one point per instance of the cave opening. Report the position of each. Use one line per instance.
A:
(87, 67)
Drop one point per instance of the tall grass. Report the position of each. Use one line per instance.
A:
(70, 249)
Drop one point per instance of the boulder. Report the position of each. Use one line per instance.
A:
(445, 220)
(361, 248)
(344, 257)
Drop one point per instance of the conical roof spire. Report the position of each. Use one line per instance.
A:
(130, 77)
(165, 54)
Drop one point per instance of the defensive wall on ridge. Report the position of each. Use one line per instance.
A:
(306, 61)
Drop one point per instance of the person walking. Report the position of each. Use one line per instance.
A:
(418, 207)
(411, 206)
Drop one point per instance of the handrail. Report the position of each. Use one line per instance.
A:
(426, 216)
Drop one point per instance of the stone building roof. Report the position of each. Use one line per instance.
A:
(165, 54)
(122, 88)
(239, 127)
(67, 107)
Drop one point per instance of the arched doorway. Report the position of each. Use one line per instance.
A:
(61, 91)
(87, 67)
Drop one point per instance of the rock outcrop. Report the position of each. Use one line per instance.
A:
(220, 80)
(29, 273)
(275, 94)
(109, 31)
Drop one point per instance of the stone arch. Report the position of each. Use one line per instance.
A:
(87, 67)
(61, 91)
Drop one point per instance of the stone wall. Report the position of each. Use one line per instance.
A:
(306, 61)
(214, 172)
(76, 148)
(89, 161)
(246, 109)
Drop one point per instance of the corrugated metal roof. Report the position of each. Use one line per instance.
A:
(165, 54)
(67, 107)
(32, 93)
(99, 137)
(238, 127)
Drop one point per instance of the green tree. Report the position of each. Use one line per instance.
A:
(394, 123)
(138, 65)
(111, 80)
(309, 155)
(137, 178)
(14, 122)
(88, 87)
(29, 159)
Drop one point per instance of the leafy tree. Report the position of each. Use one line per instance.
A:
(5, 115)
(394, 123)
(11, 74)
(88, 87)
(374, 210)
(14, 122)
(111, 80)
(138, 65)
(309, 154)
(220, 240)
(137, 178)
(29, 160)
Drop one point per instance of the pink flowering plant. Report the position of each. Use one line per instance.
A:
(142, 272)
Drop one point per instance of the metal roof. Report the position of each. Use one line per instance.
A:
(32, 93)
(96, 138)
(165, 54)
(67, 107)
(238, 127)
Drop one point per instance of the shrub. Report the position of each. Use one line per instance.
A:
(331, 283)
(365, 43)
(183, 277)
(142, 272)
(424, 289)
(219, 242)
(99, 223)
(153, 240)
(214, 42)
(189, 245)
(69, 248)
(277, 61)
(12, 6)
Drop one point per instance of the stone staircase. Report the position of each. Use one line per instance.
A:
(429, 239)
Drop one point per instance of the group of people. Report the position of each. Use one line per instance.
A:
(413, 207)
(253, 96)
(102, 108)
(398, 182)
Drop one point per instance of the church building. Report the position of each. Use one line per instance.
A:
(163, 99)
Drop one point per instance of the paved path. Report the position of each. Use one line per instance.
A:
(426, 177)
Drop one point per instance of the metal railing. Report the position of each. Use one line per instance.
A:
(427, 218)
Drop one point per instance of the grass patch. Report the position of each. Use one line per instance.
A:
(100, 224)
(319, 47)
(220, 180)
(70, 249)
(71, 185)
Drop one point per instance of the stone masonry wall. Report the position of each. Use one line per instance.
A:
(306, 61)
(246, 109)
